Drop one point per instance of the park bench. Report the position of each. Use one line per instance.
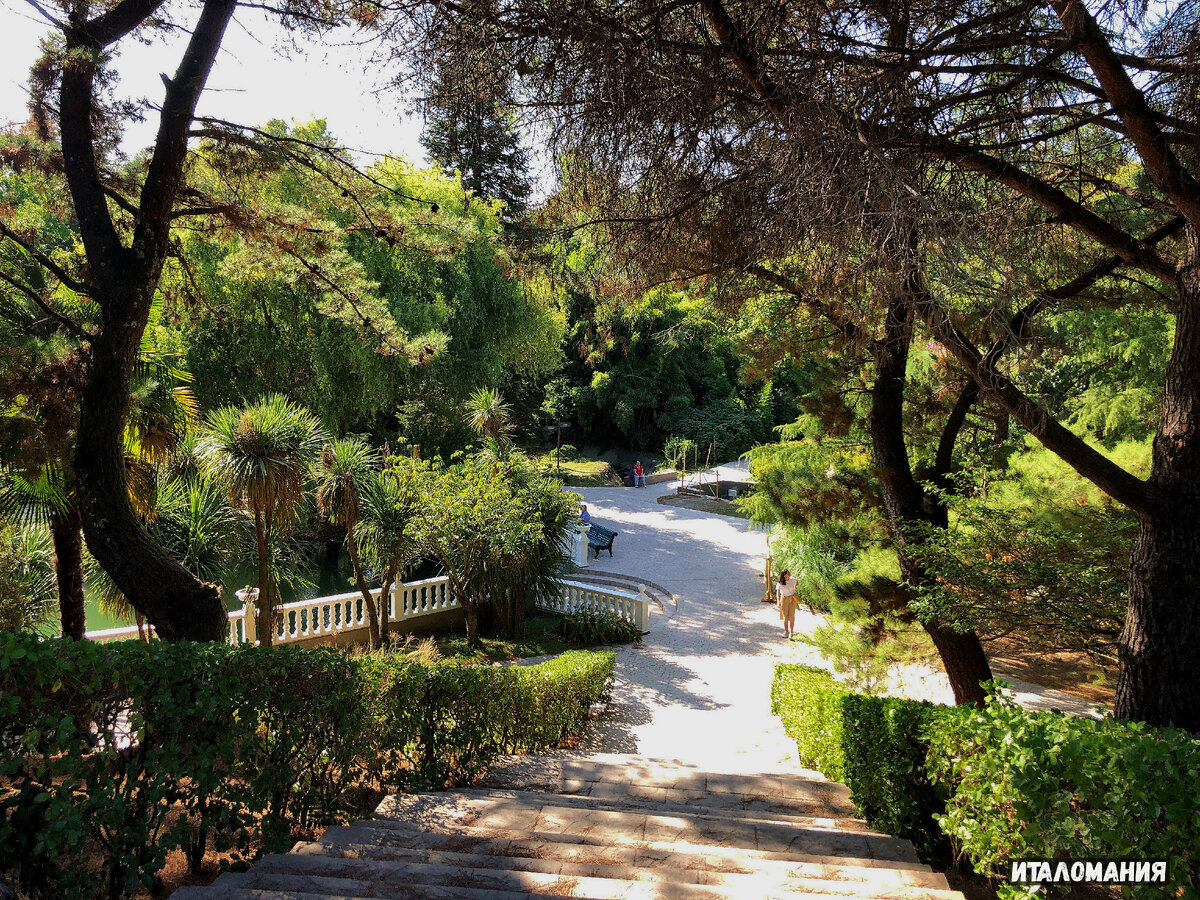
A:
(601, 538)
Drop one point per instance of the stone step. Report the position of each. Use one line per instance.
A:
(662, 801)
(647, 865)
(391, 880)
(313, 892)
(664, 783)
(622, 580)
(545, 813)
(669, 773)
(391, 833)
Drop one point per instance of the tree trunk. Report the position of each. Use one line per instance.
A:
(965, 662)
(472, 614)
(368, 598)
(1159, 648)
(266, 595)
(904, 499)
(67, 534)
(385, 589)
(173, 600)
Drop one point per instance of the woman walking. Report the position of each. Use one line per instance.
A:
(787, 602)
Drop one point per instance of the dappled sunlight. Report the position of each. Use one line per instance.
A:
(697, 688)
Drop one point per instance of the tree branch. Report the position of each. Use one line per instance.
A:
(47, 263)
(96, 229)
(1017, 332)
(36, 298)
(1018, 326)
(944, 460)
(152, 232)
(1071, 212)
(1093, 465)
(845, 326)
(113, 25)
(1161, 163)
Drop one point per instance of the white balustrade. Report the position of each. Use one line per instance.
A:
(310, 621)
(578, 596)
(579, 546)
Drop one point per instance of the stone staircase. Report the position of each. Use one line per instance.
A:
(663, 600)
(600, 826)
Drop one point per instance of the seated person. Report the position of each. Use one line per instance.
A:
(639, 476)
(584, 516)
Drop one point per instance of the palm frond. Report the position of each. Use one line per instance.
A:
(29, 500)
(262, 453)
(346, 465)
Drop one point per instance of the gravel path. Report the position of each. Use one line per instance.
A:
(698, 689)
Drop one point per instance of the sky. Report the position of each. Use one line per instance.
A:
(256, 78)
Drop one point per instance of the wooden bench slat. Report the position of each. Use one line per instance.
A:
(601, 538)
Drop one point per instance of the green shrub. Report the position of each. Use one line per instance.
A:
(1002, 783)
(568, 453)
(875, 745)
(885, 744)
(1050, 786)
(113, 755)
(810, 703)
(590, 627)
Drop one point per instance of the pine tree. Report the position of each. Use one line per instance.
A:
(471, 130)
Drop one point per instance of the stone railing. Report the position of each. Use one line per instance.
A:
(578, 596)
(342, 618)
(305, 620)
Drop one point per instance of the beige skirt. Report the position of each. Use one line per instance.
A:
(787, 606)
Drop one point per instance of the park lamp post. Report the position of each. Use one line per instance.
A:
(557, 428)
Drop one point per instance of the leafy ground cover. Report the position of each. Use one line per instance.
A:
(544, 636)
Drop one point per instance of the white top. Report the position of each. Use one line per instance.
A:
(788, 588)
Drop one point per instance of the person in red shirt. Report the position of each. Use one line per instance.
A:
(639, 477)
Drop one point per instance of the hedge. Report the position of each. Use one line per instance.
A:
(1001, 783)
(875, 745)
(810, 703)
(113, 755)
(1049, 786)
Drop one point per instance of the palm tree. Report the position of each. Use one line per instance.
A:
(262, 452)
(346, 467)
(386, 526)
(47, 499)
(27, 586)
(491, 418)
